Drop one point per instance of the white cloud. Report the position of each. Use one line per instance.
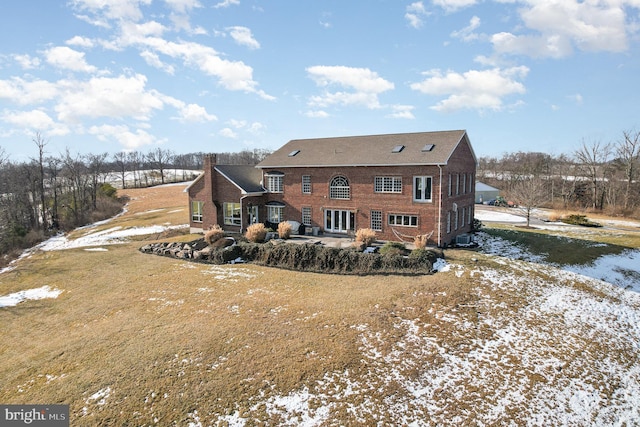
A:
(414, 14)
(68, 59)
(183, 6)
(148, 37)
(364, 85)
(559, 26)
(195, 113)
(26, 61)
(317, 114)
(111, 9)
(24, 92)
(474, 89)
(34, 120)
(228, 133)
(154, 60)
(401, 112)
(453, 5)
(243, 36)
(123, 135)
(256, 128)
(232, 75)
(81, 41)
(467, 33)
(117, 97)
(577, 98)
(227, 3)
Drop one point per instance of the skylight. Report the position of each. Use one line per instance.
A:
(397, 148)
(293, 153)
(428, 147)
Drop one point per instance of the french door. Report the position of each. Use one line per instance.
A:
(338, 221)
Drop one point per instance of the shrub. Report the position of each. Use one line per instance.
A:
(213, 234)
(477, 225)
(107, 190)
(284, 230)
(256, 233)
(323, 259)
(580, 220)
(366, 235)
(393, 248)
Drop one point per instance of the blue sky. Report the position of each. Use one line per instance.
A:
(98, 76)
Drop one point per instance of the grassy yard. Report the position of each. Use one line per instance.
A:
(137, 339)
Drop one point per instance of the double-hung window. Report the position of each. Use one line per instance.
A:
(306, 215)
(422, 188)
(306, 184)
(376, 220)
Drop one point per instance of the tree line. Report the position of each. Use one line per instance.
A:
(52, 193)
(597, 176)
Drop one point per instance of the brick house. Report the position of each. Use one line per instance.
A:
(400, 185)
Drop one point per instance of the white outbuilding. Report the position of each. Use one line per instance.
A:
(485, 192)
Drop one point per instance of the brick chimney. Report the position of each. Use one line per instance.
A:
(210, 188)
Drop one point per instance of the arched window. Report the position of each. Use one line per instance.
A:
(339, 188)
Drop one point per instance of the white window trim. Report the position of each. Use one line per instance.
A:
(275, 183)
(339, 192)
(197, 216)
(306, 186)
(232, 220)
(387, 184)
(423, 179)
(376, 224)
(306, 215)
(402, 217)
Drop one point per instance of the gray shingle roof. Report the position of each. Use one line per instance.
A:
(370, 150)
(246, 177)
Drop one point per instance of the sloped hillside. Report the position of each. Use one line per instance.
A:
(499, 336)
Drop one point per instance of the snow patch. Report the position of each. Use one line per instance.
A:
(30, 294)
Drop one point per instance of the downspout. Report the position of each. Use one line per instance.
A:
(242, 211)
(440, 209)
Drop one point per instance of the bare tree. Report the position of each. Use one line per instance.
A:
(134, 159)
(53, 172)
(75, 172)
(593, 161)
(160, 159)
(628, 153)
(41, 143)
(120, 158)
(96, 168)
(529, 193)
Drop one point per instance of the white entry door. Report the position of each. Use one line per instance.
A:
(338, 221)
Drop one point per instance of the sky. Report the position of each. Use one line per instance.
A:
(94, 76)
